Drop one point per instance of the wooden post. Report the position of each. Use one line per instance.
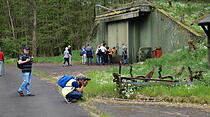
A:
(131, 69)
(208, 36)
(120, 65)
(207, 31)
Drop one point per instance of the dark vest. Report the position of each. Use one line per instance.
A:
(26, 66)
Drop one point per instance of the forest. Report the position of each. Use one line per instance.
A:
(47, 26)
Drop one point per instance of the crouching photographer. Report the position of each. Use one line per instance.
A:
(73, 88)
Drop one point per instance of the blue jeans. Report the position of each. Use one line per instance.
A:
(89, 61)
(98, 59)
(1, 67)
(26, 83)
(74, 95)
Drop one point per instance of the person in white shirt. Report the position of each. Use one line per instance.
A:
(98, 54)
(66, 56)
(103, 50)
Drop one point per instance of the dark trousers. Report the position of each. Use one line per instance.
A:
(110, 59)
(103, 58)
(66, 60)
(74, 95)
(106, 58)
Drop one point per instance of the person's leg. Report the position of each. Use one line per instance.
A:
(67, 59)
(82, 59)
(107, 58)
(70, 59)
(103, 58)
(1, 67)
(85, 58)
(24, 82)
(97, 60)
(74, 95)
(91, 60)
(28, 85)
(64, 61)
(110, 58)
(100, 59)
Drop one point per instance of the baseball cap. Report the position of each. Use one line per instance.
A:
(26, 48)
(82, 77)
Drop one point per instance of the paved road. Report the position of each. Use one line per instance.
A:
(58, 69)
(46, 103)
(150, 110)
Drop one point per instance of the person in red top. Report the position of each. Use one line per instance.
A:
(1, 61)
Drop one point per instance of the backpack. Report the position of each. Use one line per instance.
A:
(99, 52)
(63, 80)
(19, 66)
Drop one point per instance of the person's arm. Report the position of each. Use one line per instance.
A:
(84, 84)
(3, 57)
(80, 89)
(20, 61)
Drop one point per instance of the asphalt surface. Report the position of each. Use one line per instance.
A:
(149, 110)
(47, 102)
(59, 70)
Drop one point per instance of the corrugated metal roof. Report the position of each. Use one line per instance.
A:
(205, 20)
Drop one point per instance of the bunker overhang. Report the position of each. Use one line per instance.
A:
(124, 13)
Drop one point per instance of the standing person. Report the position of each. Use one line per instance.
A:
(98, 55)
(1, 62)
(111, 52)
(89, 52)
(70, 55)
(26, 62)
(66, 56)
(107, 55)
(125, 56)
(103, 50)
(123, 46)
(83, 54)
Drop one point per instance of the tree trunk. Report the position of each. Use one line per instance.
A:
(11, 20)
(34, 39)
(208, 37)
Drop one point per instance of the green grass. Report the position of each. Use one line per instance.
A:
(100, 85)
(195, 93)
(192, 10)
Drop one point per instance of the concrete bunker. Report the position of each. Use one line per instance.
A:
(142, 26)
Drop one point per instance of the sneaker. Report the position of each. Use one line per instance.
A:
(67, 101)
(73, 101)
(20, 94)
(30, 95)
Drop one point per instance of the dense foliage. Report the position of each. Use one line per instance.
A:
(47, 25)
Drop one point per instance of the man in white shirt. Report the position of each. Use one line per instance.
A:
(103, 49)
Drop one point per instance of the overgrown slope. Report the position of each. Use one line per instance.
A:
(189, 12)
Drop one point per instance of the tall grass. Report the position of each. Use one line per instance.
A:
(191, 10)
(102, 84)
